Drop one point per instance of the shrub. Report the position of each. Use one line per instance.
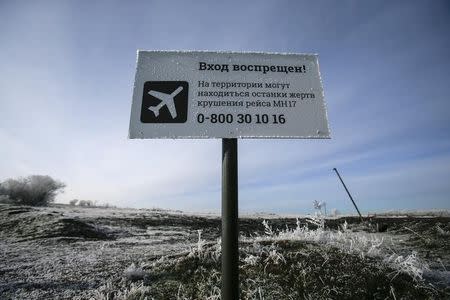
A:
(133, 273)
(35, 190)
(86, 203)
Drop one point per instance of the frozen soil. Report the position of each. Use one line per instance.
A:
(64, 252)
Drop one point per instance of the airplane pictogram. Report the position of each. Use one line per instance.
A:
(166, 100)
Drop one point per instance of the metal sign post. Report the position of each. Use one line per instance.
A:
(230, 231)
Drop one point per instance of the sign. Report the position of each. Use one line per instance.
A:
(227, 95)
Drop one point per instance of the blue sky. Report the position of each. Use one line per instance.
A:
(67, 71)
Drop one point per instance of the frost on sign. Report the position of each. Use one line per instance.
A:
(227, 95)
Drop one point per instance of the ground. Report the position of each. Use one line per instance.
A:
(67, 252)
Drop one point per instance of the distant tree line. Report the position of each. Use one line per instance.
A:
(89, 203)
(34, 190)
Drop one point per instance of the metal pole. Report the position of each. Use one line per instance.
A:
(351, 198)
(230, 231)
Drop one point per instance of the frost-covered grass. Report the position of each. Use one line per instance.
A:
(299, 263)
(281, 270)
(413, 213)
(135, 291)
(358, 243)
(87, 253)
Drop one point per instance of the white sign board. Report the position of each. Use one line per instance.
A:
(227, 95)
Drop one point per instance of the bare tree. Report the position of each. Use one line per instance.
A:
(318, 205)
(35, 190)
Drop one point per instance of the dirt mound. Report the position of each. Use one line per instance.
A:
(22, 223)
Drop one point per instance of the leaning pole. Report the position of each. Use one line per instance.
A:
(348, 193)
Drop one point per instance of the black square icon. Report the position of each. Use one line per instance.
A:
(165, 102)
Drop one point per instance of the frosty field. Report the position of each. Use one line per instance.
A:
(67, 252)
